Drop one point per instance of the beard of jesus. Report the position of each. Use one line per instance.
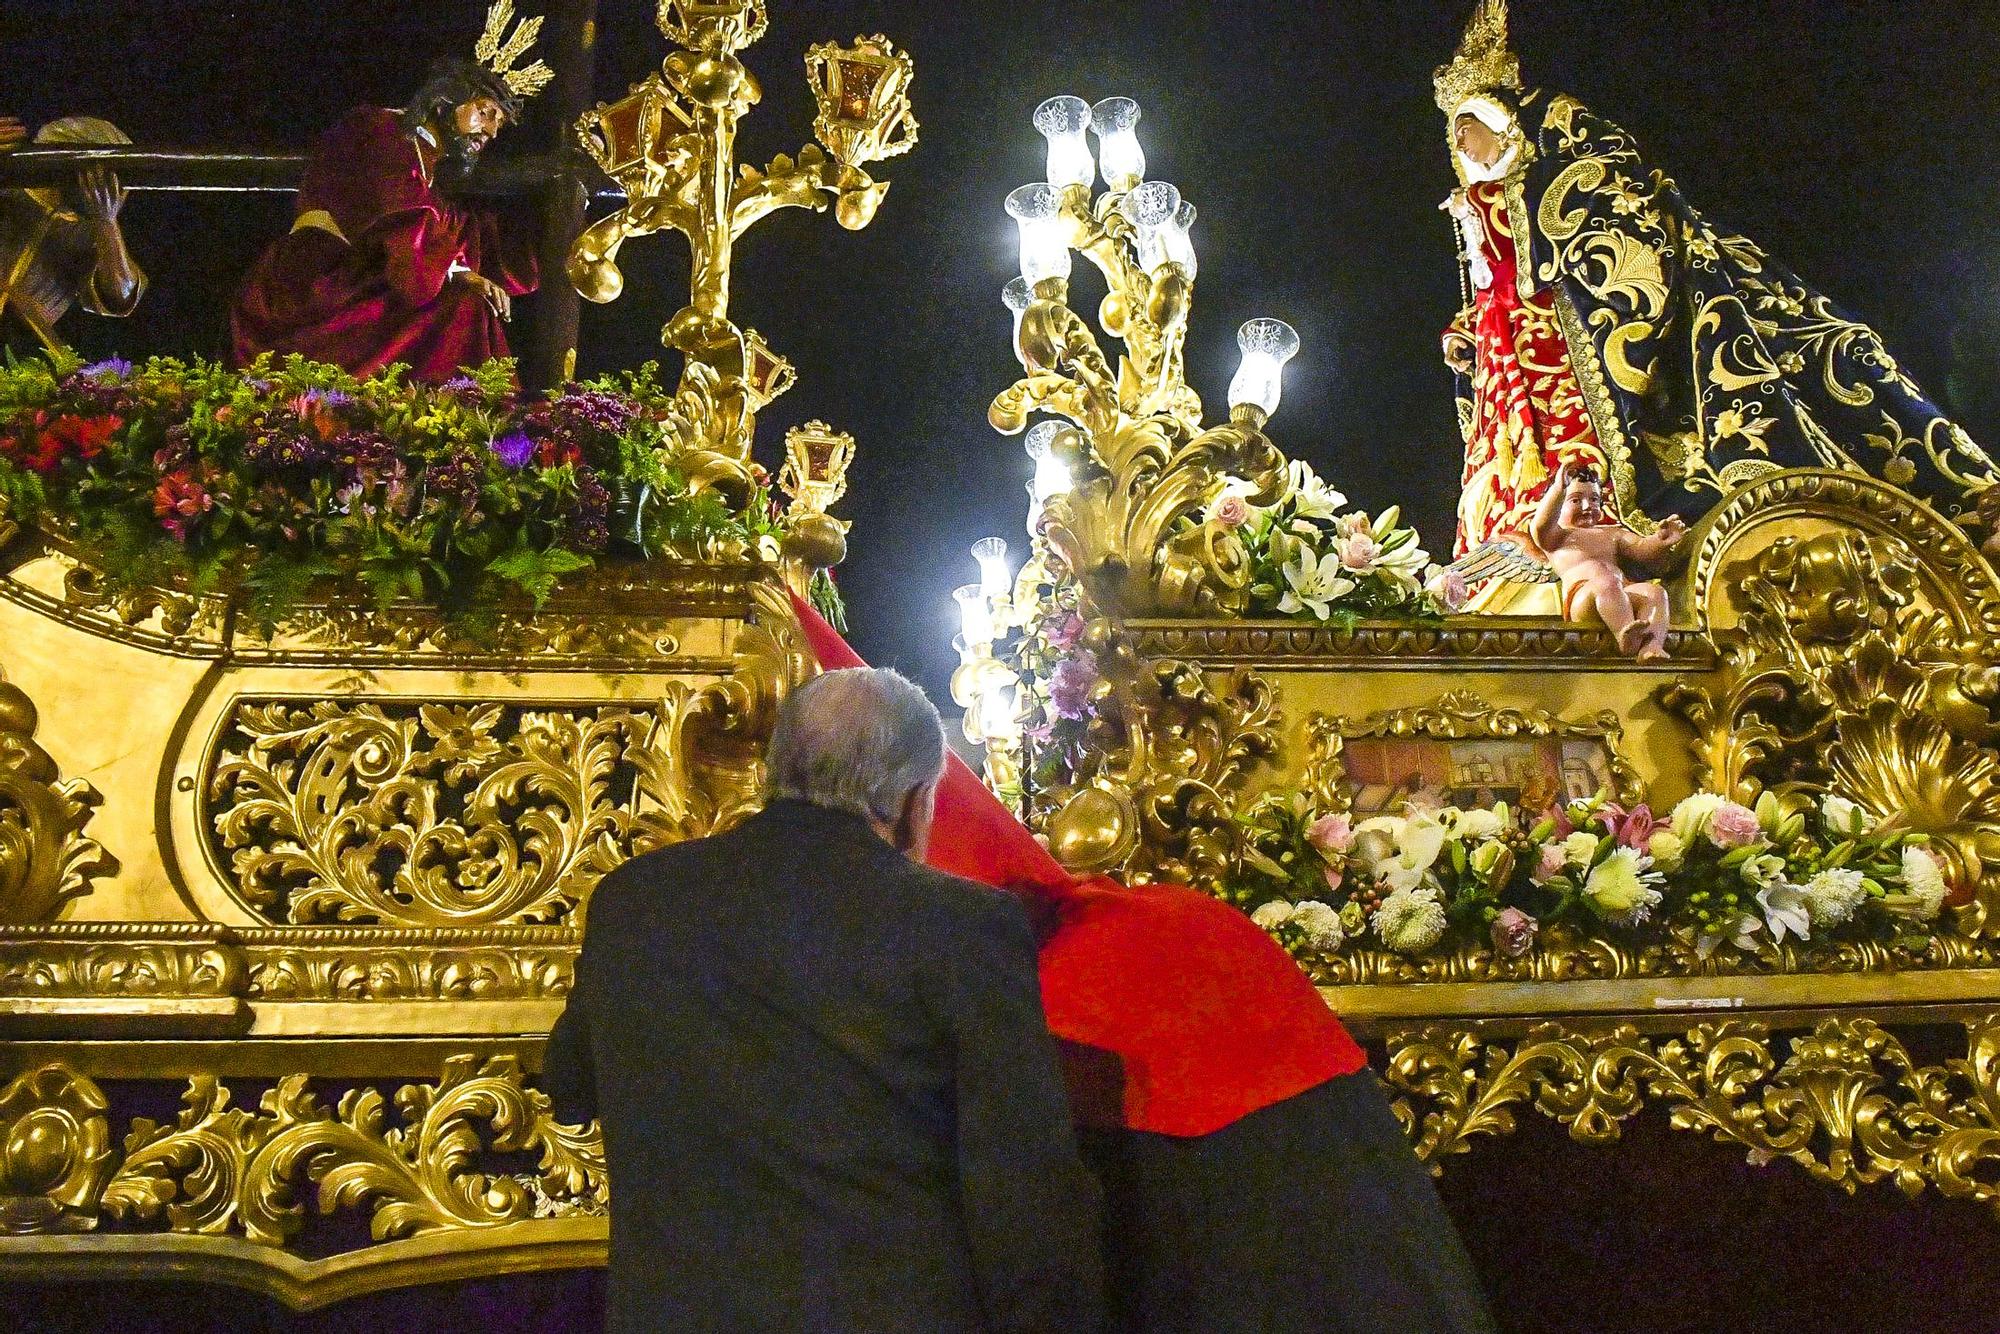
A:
(458, 154)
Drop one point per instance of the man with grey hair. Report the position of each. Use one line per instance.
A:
(829, 1097)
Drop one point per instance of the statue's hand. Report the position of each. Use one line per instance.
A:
(1672, 532)
(1458, 353)
(495, 295)
(103, 197)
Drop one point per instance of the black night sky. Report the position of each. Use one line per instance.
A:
(1854, 139)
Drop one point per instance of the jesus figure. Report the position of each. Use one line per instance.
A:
(382, 263)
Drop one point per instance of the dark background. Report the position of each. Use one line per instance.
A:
(1858, 140)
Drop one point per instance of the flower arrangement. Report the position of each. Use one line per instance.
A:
(1714, 874)
(1311, 558)
(285, 477)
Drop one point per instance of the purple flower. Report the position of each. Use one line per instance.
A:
(1062, 636)
(590, 513)
(514, 448)
(1070, 687)
(460, 384)
(457, 480)
(114, 368)
(280, 448)
(595, 410)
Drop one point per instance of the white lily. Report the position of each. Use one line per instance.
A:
(1785, 911)
(1742, 933)
(1400, 851)
(1316, 583)
(1311, 497)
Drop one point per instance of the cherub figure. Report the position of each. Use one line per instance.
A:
(1592, 556)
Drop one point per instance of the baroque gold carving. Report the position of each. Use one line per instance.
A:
(1848, 1103)
(1498, 643)
(412, 1162)
(45, 858)
(1841, 681)
(701, 770)
(1170, 754)
(93, 960)
(410, 814)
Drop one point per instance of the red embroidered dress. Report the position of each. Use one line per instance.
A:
(1528, 413)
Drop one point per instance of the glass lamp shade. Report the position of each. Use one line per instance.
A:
(975, 615)
(1065, 123)
(994, 578)
(1051, 473)
(1017, 295)
(1267, 345)
(1150, 208)
(999, 712)
(1120, 160)
(1177, 240)
(1037, 210)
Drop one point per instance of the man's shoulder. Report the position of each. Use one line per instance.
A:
(958, 904)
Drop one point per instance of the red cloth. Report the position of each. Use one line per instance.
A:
(1178, 1014)
(381, 295)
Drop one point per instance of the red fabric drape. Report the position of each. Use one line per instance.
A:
(1177, 1013)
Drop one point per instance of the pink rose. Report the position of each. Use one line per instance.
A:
(1354, 525)
(1514, 932)
(1550, 863)
(1232, 511)
(1359, 552)
(1450, 588)
(1331, 833)
(1637, 828)
(1733, 826)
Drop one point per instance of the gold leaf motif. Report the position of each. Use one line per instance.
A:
(420, 815)
(1630, 270)
(45, 859)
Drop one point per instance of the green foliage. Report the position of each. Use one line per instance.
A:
(290, 480)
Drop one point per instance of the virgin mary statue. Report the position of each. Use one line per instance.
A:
(1607, 323)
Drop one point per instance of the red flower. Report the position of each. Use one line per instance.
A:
(553, 452)
(85, 437)
(178, 500)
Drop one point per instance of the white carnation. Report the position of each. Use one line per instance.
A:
(1923, 880)
(1321, 925)
(1832, 896)
(1272, 915)
(1410, 921)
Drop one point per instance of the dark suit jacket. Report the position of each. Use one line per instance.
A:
(830, 1102)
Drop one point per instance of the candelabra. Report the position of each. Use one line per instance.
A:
(671, 143)
(1123, 463)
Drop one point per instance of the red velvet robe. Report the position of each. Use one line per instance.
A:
(383, 293)
(1177, 1014)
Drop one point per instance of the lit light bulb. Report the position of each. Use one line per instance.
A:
(1065, 122)
(999, 711)
(1179, 243)
(975, 616)
(1267, 345)
(991, 553)
(1037, 210)
(1051, 473)
(1120, 160)
(1150, 208)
